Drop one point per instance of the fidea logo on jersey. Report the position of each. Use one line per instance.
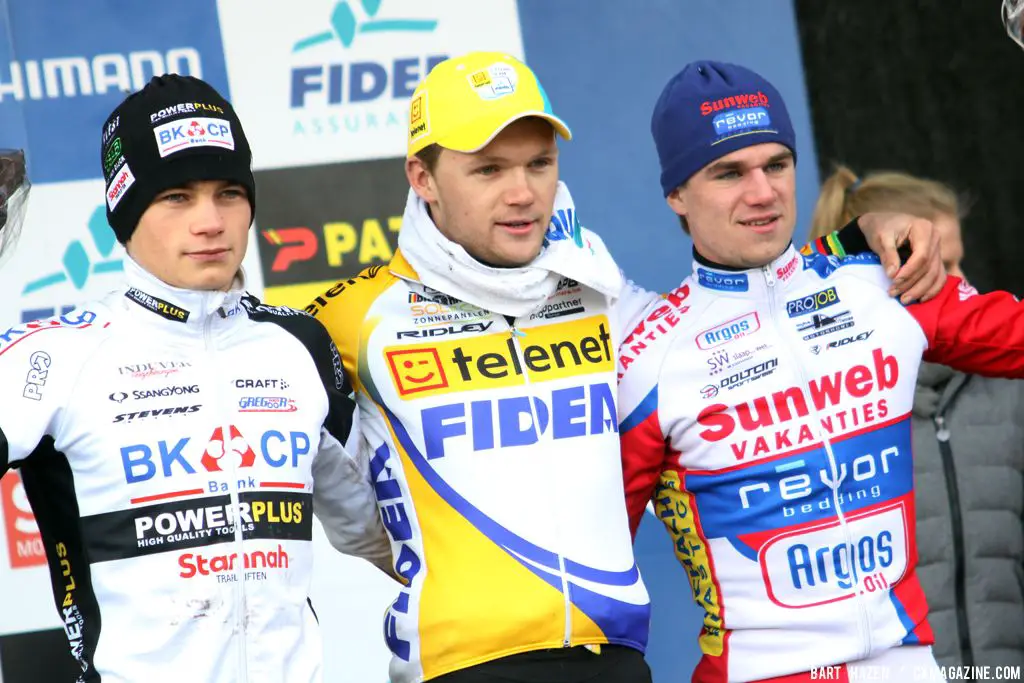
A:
(815, 566)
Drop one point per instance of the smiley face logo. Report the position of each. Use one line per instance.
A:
(416, 370)
(410, 368)
(416, 110)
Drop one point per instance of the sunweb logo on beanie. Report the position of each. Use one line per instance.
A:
(742, 113)
(752, 100)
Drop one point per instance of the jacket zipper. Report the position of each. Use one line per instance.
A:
(959, 556)
(567, 635)
(863, 620)
(225, 427)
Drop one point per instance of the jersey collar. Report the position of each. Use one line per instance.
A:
(400, 266)
(152, 301)
(750, 283)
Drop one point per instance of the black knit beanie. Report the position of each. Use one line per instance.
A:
(176, 130)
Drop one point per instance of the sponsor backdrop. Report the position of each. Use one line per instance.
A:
(323, 90)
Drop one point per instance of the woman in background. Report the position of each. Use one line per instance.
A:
(968, 439)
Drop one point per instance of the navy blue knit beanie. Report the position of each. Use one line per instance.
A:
(710, 109)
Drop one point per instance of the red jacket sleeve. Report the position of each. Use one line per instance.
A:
(643, 454)
(976, 333)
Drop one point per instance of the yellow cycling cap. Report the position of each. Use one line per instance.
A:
(465, 101)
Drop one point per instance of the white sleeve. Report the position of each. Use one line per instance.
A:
(632, 301)
(36, 374)
(344, 502)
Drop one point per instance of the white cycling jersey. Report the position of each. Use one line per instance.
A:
(173, 445)
(768, 414)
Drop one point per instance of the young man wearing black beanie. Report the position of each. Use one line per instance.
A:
(174, 436)
(770, 424)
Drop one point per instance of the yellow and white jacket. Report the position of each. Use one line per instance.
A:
(495, 457)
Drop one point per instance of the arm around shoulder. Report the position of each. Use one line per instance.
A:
(972, 332)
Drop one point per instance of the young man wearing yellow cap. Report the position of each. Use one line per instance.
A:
(483, 360)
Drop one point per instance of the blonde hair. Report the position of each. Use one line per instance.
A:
(845, 196)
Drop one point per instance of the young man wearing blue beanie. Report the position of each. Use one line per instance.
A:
(174, 436)
(769, 420)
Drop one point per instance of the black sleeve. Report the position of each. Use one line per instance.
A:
(317, 341)
(853, 241)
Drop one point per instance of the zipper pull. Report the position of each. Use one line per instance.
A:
(512, 327)
(941, 433)
(769, 278)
